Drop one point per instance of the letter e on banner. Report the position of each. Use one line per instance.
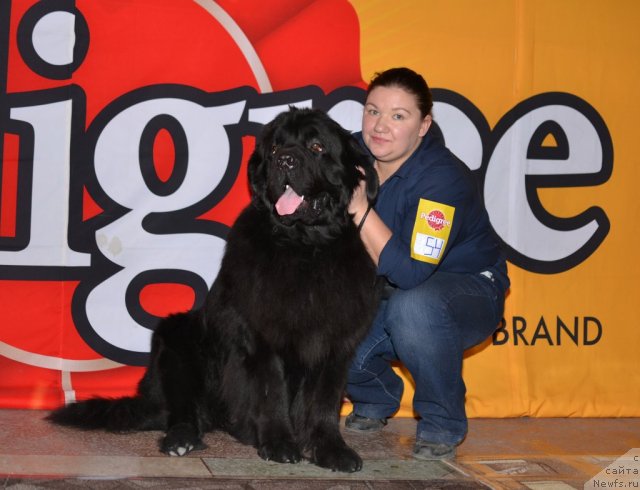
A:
(519, 165)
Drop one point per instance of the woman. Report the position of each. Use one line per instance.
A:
(430, 237)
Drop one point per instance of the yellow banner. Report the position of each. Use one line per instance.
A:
(547, 91)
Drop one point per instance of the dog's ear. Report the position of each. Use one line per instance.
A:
(371, 179)
(255, 170)
(256, 167)
(364, 160)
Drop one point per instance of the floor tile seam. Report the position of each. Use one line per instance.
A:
(492, 485)
(101, 466)
(92, 466)
(467, 472)
(537, 478)
(588, 467)
(502, 478)
(313, 472)
(203, 463)
(529, 456)
(460, 469)
(469, 475)
(583, 469)
(582, 463)
(509, 484)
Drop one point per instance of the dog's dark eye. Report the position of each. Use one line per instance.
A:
(274, 148)
(316, 147)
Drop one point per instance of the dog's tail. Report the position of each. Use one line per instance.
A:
(118, 415)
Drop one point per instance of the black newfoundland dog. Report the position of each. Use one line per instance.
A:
(265, 359)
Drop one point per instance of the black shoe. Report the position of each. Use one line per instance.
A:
(431, 451)
(358, 423)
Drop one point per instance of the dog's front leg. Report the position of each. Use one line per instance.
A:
(184, 427)
(323, 397)
(275, 439)
(178, 365)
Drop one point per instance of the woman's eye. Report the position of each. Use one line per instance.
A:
(317, 147)
(398, 117)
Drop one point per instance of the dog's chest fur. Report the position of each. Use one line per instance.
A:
(288, 289)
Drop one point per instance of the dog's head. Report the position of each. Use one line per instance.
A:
(304, 170)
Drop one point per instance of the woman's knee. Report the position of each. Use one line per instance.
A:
(420, 321)
(408, 308)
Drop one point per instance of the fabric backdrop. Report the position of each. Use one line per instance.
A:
(125, 128)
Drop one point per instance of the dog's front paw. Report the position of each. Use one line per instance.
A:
(181, 439)
(337, 458)
(281, 452)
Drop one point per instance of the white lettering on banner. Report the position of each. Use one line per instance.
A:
(516, 162)
(149, 231)
(47, 200)
(142, 243)
(125, 242)
(348, 113)
(462, 134)
(510, 186)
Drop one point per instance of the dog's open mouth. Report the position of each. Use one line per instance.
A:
(289, 202)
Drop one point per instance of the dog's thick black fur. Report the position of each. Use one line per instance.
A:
(266, 357)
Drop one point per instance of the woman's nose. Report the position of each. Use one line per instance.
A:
(380, 126)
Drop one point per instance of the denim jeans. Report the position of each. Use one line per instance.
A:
(427, 329)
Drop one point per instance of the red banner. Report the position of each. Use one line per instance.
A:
(125, 129)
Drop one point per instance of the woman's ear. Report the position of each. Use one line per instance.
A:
(425, 125)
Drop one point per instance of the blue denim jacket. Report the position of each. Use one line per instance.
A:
(434, 174)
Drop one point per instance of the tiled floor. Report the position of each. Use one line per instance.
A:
(538, 454)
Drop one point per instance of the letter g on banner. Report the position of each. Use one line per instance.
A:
(521, 163)
(156, 236)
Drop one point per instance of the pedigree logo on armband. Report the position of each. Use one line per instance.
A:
(431, 231)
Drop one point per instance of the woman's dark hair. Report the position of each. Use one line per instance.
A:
(408, 80)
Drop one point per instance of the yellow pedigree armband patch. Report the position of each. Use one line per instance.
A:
(431, 231)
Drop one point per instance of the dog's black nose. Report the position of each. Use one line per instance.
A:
(285, 161)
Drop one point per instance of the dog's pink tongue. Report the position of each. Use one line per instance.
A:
(288, 202)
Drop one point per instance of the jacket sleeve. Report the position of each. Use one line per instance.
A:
(395, 262)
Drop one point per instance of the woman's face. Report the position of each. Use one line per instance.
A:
(392, 126)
